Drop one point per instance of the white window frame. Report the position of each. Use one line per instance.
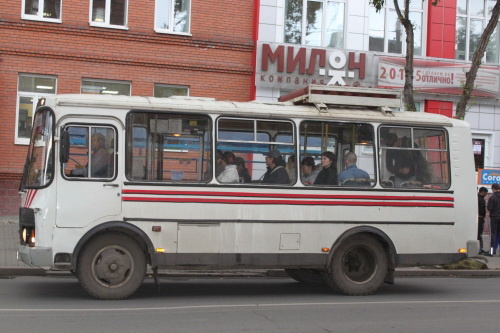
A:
(485, 18)
(36, 96)
(324, 22)
(107, 15)
(171, 31)
(104, 82)
(39, 16)
(389, 7)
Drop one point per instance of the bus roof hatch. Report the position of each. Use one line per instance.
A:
(348, 96)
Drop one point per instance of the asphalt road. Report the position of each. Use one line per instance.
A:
(57, 304)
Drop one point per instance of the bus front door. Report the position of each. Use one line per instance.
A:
(89, 184)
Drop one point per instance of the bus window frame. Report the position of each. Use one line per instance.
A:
(337, 152)
(116, 161)
(412, 127)
(128, 158)
(52, 160)
(255, 121)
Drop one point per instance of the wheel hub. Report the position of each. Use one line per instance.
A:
(112, 266)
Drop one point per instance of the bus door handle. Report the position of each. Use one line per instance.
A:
(110, 185)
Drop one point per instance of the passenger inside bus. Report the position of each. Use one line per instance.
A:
(230, 173)
(100, 159)
(276, 172)
(327, 175)
(409, 167)
(308, 171)
(243, 173)
(352, 175)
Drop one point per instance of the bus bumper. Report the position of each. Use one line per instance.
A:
(35, 256)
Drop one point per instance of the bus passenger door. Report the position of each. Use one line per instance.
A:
(89, 184)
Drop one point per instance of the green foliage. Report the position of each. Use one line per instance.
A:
(466, 264)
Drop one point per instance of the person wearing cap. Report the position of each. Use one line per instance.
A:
(327, 175)
(276, 172)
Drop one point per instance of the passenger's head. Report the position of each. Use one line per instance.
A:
(327, 158)
(273, 158)
(389, 138)
(98, 141)
(350, 159)
(495, 187)
(307, 165)
(228, 157)
(291, 161)
(483, 191)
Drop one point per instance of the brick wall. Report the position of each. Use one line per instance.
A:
(215, 61)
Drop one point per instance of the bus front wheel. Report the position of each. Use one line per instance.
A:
(111, 266)
(358, 266)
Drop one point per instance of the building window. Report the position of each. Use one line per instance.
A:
(172, 16)
(43, 10)
(387, 34)
(315, 22)
(164, 90)
(111, 13)
(90, 86)
(31, 88)
(472, 18)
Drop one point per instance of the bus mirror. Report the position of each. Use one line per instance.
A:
(64, 148)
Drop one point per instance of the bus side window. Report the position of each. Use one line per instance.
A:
(173, 148)
(261, 149)
(413, 158)
(91, 152)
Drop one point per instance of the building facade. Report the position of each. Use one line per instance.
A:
(239, 50)
(347, 42)
(125, 47)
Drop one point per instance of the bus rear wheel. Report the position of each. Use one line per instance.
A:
(111, 266)
(358, 266)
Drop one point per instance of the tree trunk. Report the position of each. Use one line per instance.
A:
(470, 76)
(409, 102)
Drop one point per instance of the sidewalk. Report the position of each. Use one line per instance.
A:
(10, 266)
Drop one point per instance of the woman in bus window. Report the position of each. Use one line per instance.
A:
(327, 175)
(229, 174)
(308, 170)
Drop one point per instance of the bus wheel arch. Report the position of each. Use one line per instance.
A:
(117, 227)
(360, 261)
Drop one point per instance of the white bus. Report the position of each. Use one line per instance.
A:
(116, 184)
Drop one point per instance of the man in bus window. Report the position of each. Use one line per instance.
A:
(276, 172)
(352, 175)
(99, 160)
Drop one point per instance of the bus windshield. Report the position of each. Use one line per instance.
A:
(39, 168)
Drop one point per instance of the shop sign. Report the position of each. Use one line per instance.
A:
(288, 66)
(438, 76)
(488, 176)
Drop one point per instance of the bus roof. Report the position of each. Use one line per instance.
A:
(253, 108)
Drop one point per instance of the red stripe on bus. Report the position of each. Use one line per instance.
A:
(285, 195)
(290, 202)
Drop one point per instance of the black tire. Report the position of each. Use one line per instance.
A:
(306, 276)
(111, 266)
(358, 266)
